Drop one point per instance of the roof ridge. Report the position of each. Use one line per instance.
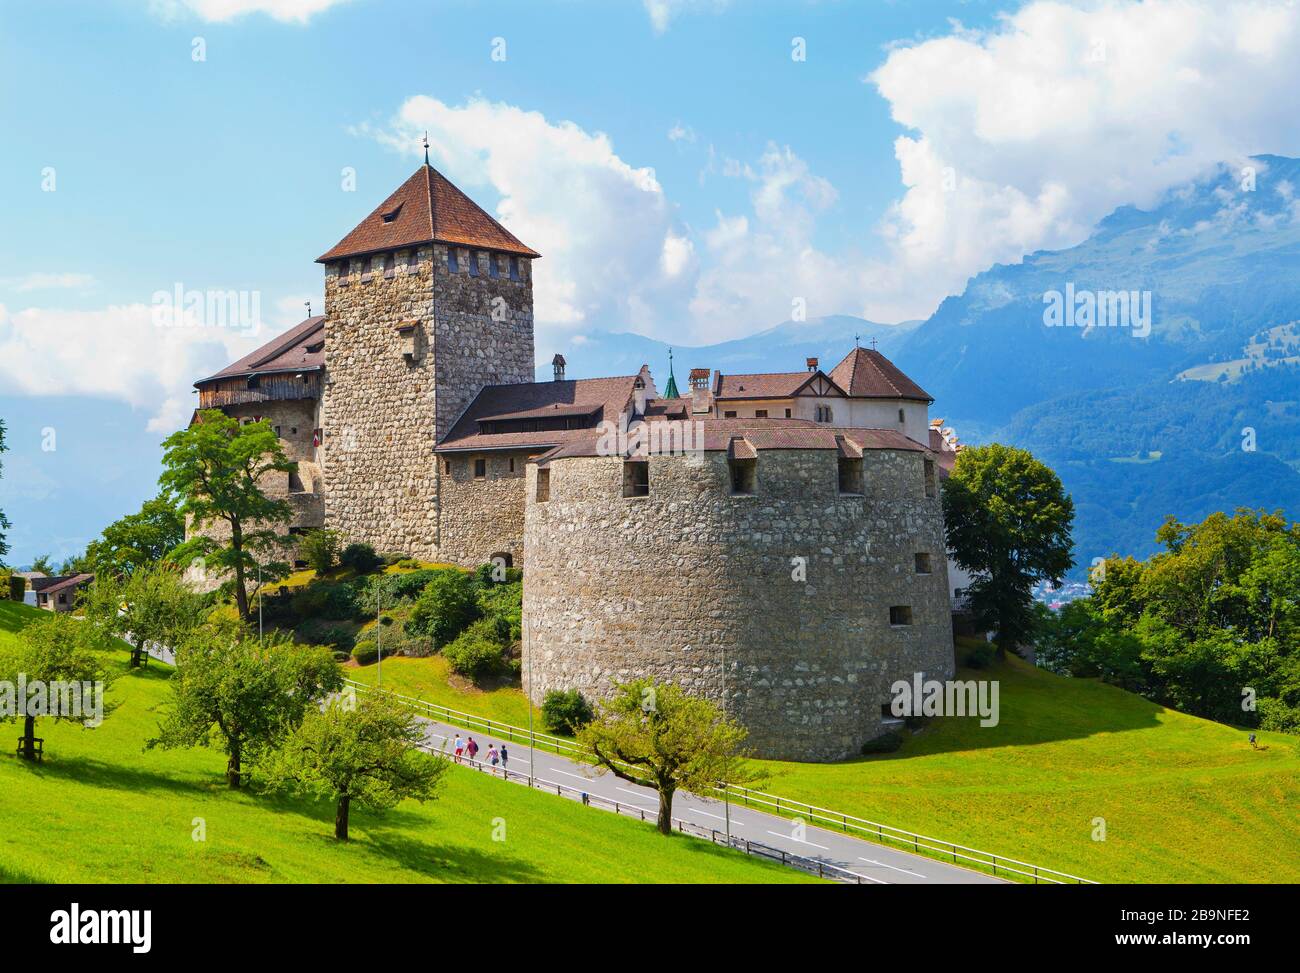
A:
(880, 371)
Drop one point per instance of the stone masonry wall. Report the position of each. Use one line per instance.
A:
(669, 584)
(384, 411)
(483, 517)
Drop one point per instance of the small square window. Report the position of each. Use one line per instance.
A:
(787, 413)
(743, 476)
(728, 415)
(760, 413)
(543, 485)
(636, 478)
(480, 469)
(900, 615)
(922, 563)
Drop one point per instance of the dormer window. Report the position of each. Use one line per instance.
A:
(391, 216)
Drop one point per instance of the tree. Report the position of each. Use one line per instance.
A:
(63, 660)
(140, 539)
(149, 605)
(357, 752)
(4, 523)
(566, 711)
(43, 563)
(216, 467)
(1007, 521)
(232, 692)
(655, 735)
(320, 549)
(448, 603)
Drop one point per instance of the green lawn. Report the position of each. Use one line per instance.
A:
(1184, 799)
(430, 679)
(100, 809)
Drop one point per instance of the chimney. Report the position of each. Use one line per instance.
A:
(812, 364)
(557, 363)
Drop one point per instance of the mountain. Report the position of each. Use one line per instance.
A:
(783, 348)
(1201, 414)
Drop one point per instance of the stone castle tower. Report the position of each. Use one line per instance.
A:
(427, 300)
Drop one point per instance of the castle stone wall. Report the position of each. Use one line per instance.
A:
(670, 584)
(483, 517)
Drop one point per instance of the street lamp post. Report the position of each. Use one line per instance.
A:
(379, 637)
(726, 792)
(259, 602)
(532, 740)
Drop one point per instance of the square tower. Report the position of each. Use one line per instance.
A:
(427, 300)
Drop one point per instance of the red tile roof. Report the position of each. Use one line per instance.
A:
(596, 398)
(426, 208)
(286, 353)
(768, 385)
(866, 373)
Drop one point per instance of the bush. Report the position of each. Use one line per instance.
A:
(341, 655)
(16, 587)
(477, 652)
(565, 711)
(326, 599)
(320, 549)
(361, 558)
(887, 742)
(980, 656)
(366, 653)
(408, 562)
(446, 606)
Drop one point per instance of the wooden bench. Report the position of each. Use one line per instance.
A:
(37, 742)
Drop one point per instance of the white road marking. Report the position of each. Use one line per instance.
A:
(801, 841)
(883, 865)
(878, 881)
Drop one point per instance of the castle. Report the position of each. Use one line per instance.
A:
(771, 541)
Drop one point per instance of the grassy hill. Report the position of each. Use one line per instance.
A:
(1184, 799)
(100, 809)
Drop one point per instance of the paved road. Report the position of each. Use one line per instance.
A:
(878, 864)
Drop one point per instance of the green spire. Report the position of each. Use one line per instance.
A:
(670, 390)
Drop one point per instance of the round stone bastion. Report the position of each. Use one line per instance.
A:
(790, 595)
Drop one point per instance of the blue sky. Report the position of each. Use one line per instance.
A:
(683, 174)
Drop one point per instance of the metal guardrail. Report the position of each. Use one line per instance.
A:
(754, 848)
(999, 865)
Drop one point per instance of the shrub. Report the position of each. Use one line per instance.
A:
(16, 587)
(408, 562)
(477, 652)
(887, 742)
(366, 653)
(565, 711)
(980, 656)
(445, 607)
(341, 655)
(320, 549)
(326, 599)
(361, 558)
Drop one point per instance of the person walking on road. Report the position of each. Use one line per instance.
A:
(493, 755)
(459, 747)
(471, 748)
(505, 757)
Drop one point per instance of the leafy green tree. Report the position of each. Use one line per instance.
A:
(4, 522)
(57, 649)
(320, 549)
(149, 605)
(480, 650)
(44, 564)
(357, 752)
(216, 467)
(1007, 521)
(445, 607)
(566, 711)
(655, 735)
(140, 539)
(232, 692)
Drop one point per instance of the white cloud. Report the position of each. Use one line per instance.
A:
(40, 281)
(681, 133)
(219, 11)
(1025, 135)
(612, 249)
(133, 353)
(662, 12)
